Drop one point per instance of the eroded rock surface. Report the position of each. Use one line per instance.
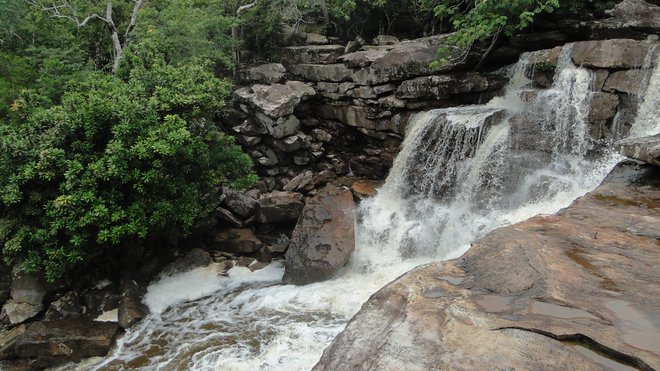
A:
(576, 290)
(646, 149)
(324, 237)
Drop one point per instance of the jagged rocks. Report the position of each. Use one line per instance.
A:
(323, 239)
(317, 54)
(541, 294)
(278, 207)
(646, 149)
(443, 86)
(614, 54)
(67, 306)
(322, 72)
(635, 14)
(27, 293)
(275, 100)
(269, 73)
(47, 344)
(237, 241)
(131, 309)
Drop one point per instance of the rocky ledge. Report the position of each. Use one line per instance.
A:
(575, 290)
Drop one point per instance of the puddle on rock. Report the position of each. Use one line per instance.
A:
(600, 359)
(494, 303)
(559, 311)
(453, 280)
(637, 330)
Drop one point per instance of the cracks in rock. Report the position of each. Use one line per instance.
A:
(591, 344)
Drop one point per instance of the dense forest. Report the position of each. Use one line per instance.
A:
(108, 109)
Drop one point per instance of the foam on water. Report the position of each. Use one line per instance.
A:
(458, 176)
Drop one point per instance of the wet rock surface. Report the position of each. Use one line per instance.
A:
(323, 239)
(575, 290)
(646, 149)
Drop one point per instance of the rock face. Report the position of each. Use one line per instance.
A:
(279, 207)
(635, 13)
(536, 295)
(237, 241)
(270, 73)
(275, 100)
(616, 53)
(645, 149)
(131, 308)
(323, 239)
(46, 344)
(27, 294)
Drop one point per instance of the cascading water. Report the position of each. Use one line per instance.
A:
(461, 173)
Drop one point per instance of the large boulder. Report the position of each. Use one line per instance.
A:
(576, 290)
(323, 239)
(318, 54)
(442, 86)
(269, 73)
(239, 203)
(27, 293)
(614, 54)
(237, 241)
(131, 309)
(47, 344)
(337, 72)
(67, 306)
(646, 149)
(636, 14)
(275, 100)
(278, 207)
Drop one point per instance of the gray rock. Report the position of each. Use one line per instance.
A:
(350, 115)
(270, 73)
(27, 294)
(321, 54)
(646, 149)
(603, 107)
(442, 86)
(337, 72)
(101, 300)
(284, 127)
(289, 144)
(355, 45)
(299, 181)
(627, 81)
(239, 203)
(248, 141)
(131, 309)
(316, 39)
(195, 258)
(363, 58)
(321, 135)
(381, 40)
(278, 207)
(634, 13)
(323, 239)
(48, 344)
(68, 306)
(275, 100)
(237, 241)
(614, 54)
(252, 127)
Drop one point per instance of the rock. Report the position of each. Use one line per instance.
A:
(289, 144)
(248, 141)
(350, 115)
(284, 127)
(355, 45)
(317, 54)
(5, 282)
(603, 107)
(27, 293)
(323, 72)
(195, 258)
(278, 207)
(323, 239)
(316, 39)
(364, 189)
(99, 300)
(270, 73)
(321, 135)
(228, 217)
(131, 308)
(442, 86)
(68, 306)
(252, 127)
(627, 81)
(541, 294)
(614, 54)
(239, 203)
(299, 181)
(539, 40)
(362, 59)
(275, 100)
(636, 14)
(47, 344)
(237, 241)
(381, 40)
(646, 149)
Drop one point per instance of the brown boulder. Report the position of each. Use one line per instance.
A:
(237, 241)
(323, 239)
(615, 53)
(131, 309)
(577, 290)
(278, 207)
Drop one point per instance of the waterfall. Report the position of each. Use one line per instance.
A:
(461, 172)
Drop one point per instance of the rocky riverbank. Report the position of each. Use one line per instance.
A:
(575, 290)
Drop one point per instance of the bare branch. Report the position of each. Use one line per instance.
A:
(245, 7)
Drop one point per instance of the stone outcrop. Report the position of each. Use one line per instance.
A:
(635, 14)
(323, 239)
(237, 241)
(279, 207)
(276, 100)
(131, 309)
(613, 54)
(270, 73)
(646, 149)
(27, 294)
(575, 289)
(46, 344)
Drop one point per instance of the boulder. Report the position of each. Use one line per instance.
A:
(278, 207)
(131, 309)
(316, 39)
(269, 73)
(284, 127)
(27, 293)
(382, 40)
(68, 306)
(48, 344)
(239, 203)
(364, 189)
(626, 81)
(195, 258)
(442, 86)
(635, 14)
(275, 100)
(614, 54)
(317, 54)
(237, 241)
(572, 290)
(646, 149)
(603, 107)
(337, 72)
(323, 239)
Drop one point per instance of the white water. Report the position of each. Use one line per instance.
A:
(459, 175)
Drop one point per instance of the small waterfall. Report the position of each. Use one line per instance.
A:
(461, 172)
(646, 122)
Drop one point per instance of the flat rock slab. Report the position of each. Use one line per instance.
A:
(645, 149)
(576, 290)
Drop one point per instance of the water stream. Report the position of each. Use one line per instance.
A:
(461, 173)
